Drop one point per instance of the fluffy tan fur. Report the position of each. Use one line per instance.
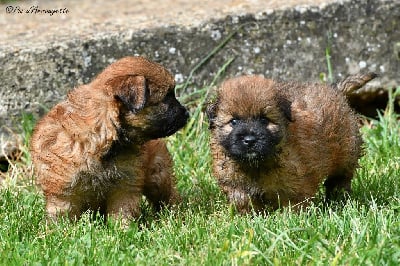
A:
(94, 151)
(318, 140)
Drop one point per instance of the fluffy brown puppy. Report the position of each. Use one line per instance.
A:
(96, 150)
(273, 143)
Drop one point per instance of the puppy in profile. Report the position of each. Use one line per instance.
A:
(100, 149)
(273, 143)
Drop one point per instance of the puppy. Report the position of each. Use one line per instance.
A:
(273, 143)
(99, 149)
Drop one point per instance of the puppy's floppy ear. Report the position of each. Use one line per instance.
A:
(286, 108)
(211, 112)
(131, 91)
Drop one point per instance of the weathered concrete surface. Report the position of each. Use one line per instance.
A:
(43, 56)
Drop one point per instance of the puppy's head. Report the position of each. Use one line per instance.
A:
(249, 119)
(144, 95)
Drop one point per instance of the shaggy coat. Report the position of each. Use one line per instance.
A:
(98, 149)
(273, 143)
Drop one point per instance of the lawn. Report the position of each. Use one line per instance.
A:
(204, 229)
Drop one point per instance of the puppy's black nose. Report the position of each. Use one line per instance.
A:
(249, 140)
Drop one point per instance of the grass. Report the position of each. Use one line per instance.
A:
(204, 230)
(328, 77)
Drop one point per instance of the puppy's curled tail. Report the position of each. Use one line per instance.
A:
(354, 82)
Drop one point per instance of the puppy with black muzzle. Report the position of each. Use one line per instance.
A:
(273, 143)
(99, 149)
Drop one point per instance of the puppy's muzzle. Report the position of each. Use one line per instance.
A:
(171, 120)
(178, 118)
(250, 140)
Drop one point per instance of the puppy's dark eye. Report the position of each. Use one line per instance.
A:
(264, 120)
(171, 93)
(234, 122)
(170, 96)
